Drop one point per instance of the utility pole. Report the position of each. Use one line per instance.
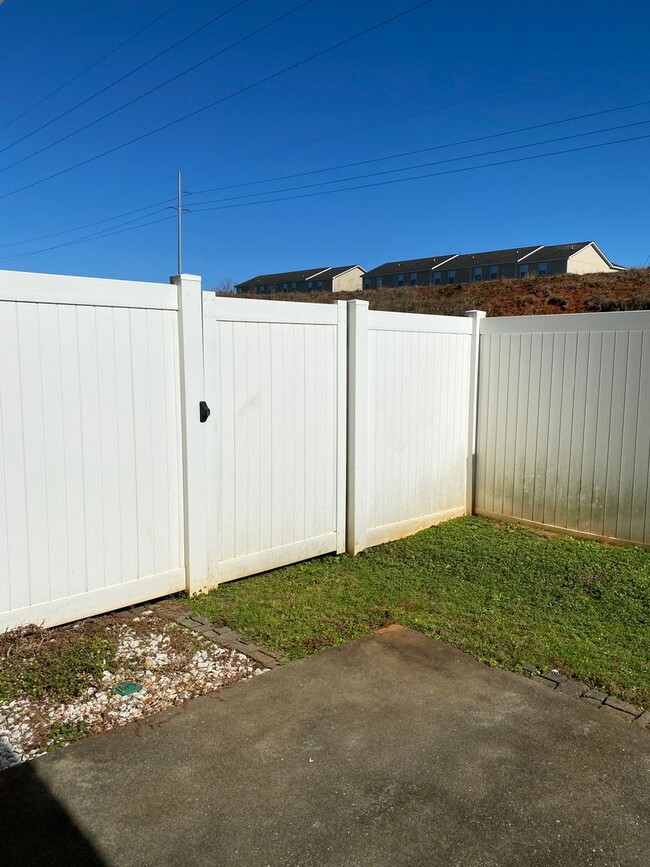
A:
(179, 212)
(178, 207)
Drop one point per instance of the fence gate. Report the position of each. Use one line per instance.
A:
(275, 376)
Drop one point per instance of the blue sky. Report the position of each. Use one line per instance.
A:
(451, 72)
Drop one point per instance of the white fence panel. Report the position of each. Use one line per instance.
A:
(275, 381)
(564, 422)
(410, 394)
(90, 464)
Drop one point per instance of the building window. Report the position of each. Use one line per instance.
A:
(378, 282)
(414, 278)
(478, 274)
(542, 269)
(310, 285)
(400, 280)
(451, 276)
(319, 284)
(366, 282)
(293, 287)
(285, 287)
(494, 272)
(437, 278)
(523, 270)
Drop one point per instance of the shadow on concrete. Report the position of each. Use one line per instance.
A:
(36, 828)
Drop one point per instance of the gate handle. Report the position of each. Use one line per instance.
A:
(204, 411)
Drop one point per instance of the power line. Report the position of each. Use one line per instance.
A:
(431, 163)
(330, 168)
(395, 119)
(135, 99)
(113, 84)
(86, 225)
(398, 118)
(322, 183)
(197, 210)
(93, 64)
(95, 236)
(427, 149)
(222, 99)
(346, 131)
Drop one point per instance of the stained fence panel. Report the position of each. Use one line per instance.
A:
(418, 386)
(90, 494)
(275, 378)
(564, 422)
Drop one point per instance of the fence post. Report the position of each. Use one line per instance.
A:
(190, 345)
(476, 316)
(357, 488)
(342, 423)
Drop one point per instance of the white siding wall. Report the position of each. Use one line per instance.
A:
(564, 422)
(90, 473)
(418, 378)
(275, 377)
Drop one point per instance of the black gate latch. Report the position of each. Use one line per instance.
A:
(204, 411)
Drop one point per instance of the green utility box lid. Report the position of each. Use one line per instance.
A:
(127, 687)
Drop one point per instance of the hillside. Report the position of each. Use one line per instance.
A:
(566, 293)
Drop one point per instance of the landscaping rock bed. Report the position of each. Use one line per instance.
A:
(55, 688)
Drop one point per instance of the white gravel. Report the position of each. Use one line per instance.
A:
(167, 677)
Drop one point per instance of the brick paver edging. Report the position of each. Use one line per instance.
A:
(226, 637)
(609, 704)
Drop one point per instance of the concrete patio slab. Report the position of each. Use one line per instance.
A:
(394, 749)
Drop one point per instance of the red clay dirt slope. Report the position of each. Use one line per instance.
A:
(566, 293)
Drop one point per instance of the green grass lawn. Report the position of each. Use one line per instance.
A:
(503, 593)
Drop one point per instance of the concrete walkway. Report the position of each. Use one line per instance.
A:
(392, 750)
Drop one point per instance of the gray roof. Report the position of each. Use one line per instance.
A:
(407, 265)
(491, 257)
(324, 273)
(557, 251)
(334, 272)
(283, 277)
(535, 253)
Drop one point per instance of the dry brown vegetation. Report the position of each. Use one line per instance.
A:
(566, 293)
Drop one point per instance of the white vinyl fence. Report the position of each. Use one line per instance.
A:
(411, 422)
(156, 438)
(90, 446)
(564, 422)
